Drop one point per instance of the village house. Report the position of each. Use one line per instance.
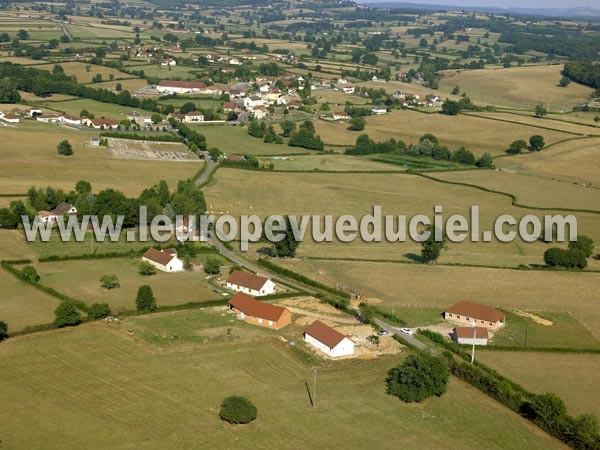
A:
(64, 208)
(473, 313)
(70, 120)
(168, 62)
(46, 216)
(100, 123)
(253, 101)
(248, 283)
(327, 340)
(135, 116)
(471, 335)
(187, 231)
(193, 117)
(50, 118)
(32, 112)
(348, 89)
(235, 62)
(229, 106)
(264, 314)
(165, 260)
(341, 115)
(10, 118)
(180, 87)
(260, 112)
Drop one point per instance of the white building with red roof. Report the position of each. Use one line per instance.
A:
(329, 341)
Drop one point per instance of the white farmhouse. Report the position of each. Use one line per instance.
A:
(378, 110)
(329, 341)
(249, 283)
(165, 260)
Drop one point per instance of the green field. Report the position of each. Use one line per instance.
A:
(101, 391)
(236, 140)
(81, 280)
(573, 377)
(329, 162)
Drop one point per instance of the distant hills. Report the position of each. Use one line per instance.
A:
(579, 12)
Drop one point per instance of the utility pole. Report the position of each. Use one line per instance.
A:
(315, 388)
(526, 332)
(474, 337)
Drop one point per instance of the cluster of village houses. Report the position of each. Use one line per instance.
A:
(475, 322)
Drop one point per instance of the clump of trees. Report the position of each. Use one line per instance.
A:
(574, 257)
(145, 301)
(99, 311)
(146, 269)
(357, 123)
(29, 274)
(66, 315)
(212, 266)
(237, 410)
(305, 137)
(536, 143)
(419, 377)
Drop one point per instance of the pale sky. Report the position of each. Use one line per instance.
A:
(504, 3)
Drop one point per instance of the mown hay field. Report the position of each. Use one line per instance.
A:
(29, 158)
(22, 305)
(517, 87)
(576, 161)
(441, 286)
(531, 190)
(237, 192)
(573, 377)
(118, 377)
(561, 125)
(81, 280)
(477, 134)
(330, 162)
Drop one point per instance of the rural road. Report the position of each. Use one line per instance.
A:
(237, 259)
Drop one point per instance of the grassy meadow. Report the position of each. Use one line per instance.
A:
(80, 70)
(118, 376)
(81, 280)
(330, 162)
(29, 158)
(573, 377)
(235, 192)
(517, 87)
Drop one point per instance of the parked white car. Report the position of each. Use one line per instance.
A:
(406, 331)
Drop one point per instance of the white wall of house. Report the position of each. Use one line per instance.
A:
(344, 348)
(267, 289)
(469, 341)
(175, 265)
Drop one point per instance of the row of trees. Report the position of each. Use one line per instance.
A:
(302, 136)
(536, 143)
(428, 146)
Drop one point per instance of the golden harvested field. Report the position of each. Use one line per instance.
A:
(477, 134)
(13, 246)
(440, 286)
(22, 305)
(21, 60)
(576, 161)
(517, 87)
(573, 377)
(5, 201)
(29, 97)
(531, 190)
(581, 117)
(337, 162)
(91, 385)
(131, 85)
(568, 127)
(82, 281)
(79, 69)
(29, 158)
(242, 192)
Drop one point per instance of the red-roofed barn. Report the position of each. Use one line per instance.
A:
(259, 313)
(250, 284)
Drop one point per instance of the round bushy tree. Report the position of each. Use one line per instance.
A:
(66, 315)
(99, 311)
(64, 148)
(419, 377)
(28, 273)
(212, 266)
(110, 281)
(237, 410)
